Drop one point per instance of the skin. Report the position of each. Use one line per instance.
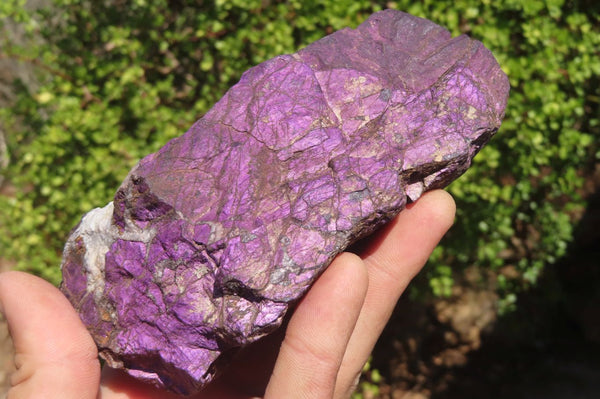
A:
(319, 354)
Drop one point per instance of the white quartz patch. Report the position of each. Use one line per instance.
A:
(98, 234)
(415, 190)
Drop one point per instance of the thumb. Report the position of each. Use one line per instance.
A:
(55, 356)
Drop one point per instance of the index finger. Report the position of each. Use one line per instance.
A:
(393, 257)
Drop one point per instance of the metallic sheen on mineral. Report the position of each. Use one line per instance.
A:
(210, 240)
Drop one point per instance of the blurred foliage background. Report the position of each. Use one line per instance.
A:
(118, 79)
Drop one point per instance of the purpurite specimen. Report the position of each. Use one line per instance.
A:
(209, 240)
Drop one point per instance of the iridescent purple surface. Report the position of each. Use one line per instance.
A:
(209, 240)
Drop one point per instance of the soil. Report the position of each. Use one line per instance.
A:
(546, 349)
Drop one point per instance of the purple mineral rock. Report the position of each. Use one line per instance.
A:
(209, 240)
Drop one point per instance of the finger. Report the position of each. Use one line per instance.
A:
(318, 332)
(54, 354)
(393, 258)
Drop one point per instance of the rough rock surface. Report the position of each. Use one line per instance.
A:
(210, 239)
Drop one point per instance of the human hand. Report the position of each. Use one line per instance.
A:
(319, 354)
